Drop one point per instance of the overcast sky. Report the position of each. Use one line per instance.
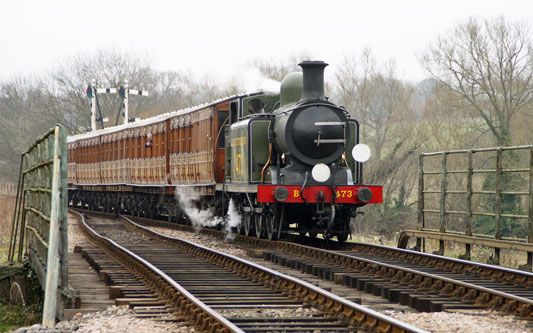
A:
(218, 37)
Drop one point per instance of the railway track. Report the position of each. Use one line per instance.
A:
(218, 292)
(423, 281)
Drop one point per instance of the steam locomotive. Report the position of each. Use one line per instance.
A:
(288, 162)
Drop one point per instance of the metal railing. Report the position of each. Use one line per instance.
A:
(472, 189)
(40, 225)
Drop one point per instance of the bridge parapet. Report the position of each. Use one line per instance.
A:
(477, 197)
(40, 225)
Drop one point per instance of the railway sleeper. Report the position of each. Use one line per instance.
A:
(421, 294)
(124, 288)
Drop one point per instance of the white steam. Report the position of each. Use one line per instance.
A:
(187, 199)
(252, 80)
(233, 219)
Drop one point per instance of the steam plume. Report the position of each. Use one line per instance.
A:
(187, 199)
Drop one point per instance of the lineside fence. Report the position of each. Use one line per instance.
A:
(476, 197)
(40, 220)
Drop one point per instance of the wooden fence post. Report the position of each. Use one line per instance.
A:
(16, 219)
(468, 215)
(498, 204)
(53, 268)
(421, 222)
(530, 208)
(442, 226)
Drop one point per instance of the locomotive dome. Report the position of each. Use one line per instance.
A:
(291, 89)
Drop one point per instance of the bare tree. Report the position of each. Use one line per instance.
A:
(388, 116)
(29, 106)
(22, 118)
(110, 68)
(441, 108)
(169, 91)
(354, 90)
(489, 65)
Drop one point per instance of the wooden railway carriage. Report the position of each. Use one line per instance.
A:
(284, 159)
(136, 167)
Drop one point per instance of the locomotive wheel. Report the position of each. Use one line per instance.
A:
(258, 222)
(272, 222)
(280, 221)
(341, 238)
(249, 224)
(269, 225)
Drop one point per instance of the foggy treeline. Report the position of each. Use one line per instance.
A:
(478, 93)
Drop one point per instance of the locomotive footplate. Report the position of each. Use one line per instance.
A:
(348, 194)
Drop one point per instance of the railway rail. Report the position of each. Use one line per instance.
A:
(424, 281)
(199, 282)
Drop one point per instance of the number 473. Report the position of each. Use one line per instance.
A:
(344, 194)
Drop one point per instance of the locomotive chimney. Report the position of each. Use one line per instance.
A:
(313, 80)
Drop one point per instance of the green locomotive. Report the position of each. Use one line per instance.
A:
(291, 163)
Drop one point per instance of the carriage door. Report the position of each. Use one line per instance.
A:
(222, 116)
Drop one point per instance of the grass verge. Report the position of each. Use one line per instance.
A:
(13, 316)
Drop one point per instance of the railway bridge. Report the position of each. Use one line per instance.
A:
(40, 225)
